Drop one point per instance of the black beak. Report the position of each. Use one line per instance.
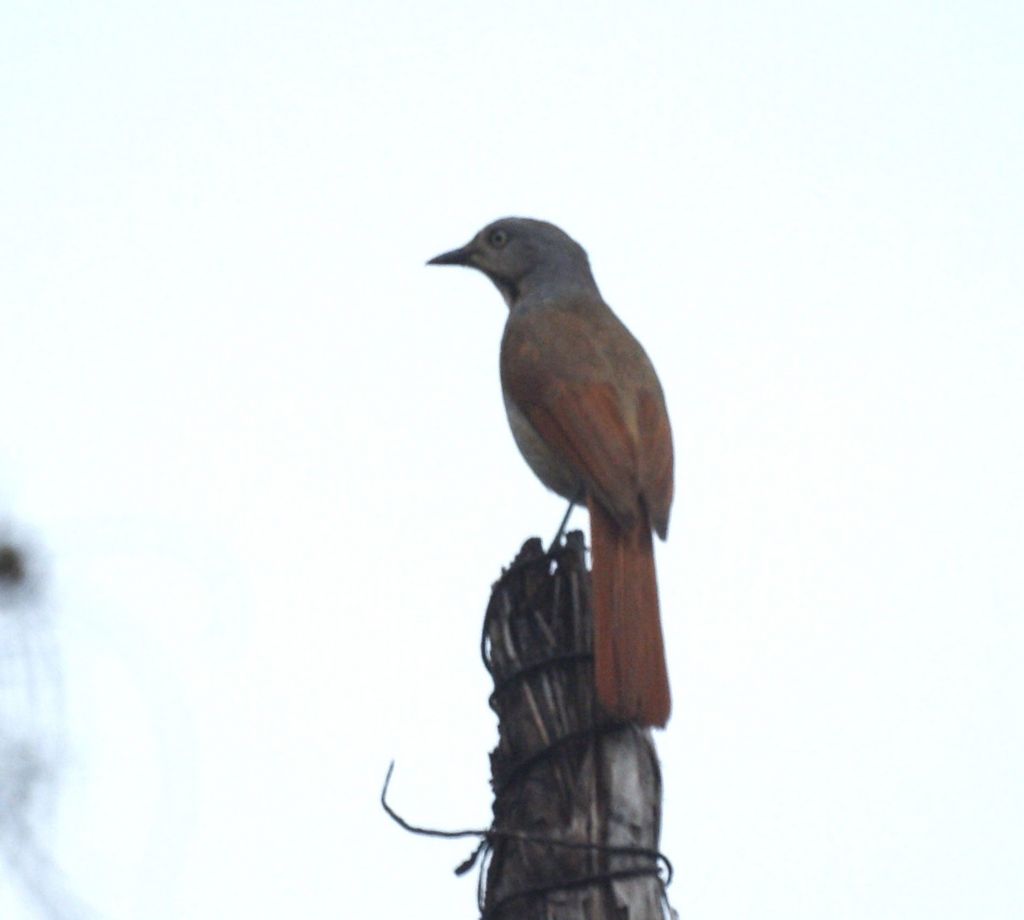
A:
(455, 257)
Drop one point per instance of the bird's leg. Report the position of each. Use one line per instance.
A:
(573, 502)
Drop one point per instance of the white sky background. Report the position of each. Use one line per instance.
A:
(264, 450)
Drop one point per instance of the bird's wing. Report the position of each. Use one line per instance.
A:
(577, 411)
(582, 423)
(656, 457)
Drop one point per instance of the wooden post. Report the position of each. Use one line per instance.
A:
(577, 798)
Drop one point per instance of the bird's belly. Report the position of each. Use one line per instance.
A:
(549, 468)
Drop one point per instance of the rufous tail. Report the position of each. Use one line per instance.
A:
(629, 651)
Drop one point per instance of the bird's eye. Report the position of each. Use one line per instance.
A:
(497, 238)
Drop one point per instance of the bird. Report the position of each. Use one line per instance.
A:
(588, 414)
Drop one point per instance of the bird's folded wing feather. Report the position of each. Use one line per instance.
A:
(606, 416)
(656, 459)
(583, 424)
(579, 418)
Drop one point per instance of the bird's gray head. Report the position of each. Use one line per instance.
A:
(524, 257)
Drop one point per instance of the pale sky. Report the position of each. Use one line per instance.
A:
(262, 448)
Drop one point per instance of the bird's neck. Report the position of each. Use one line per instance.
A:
(549, 286)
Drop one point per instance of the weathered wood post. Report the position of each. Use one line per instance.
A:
(577, 797)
